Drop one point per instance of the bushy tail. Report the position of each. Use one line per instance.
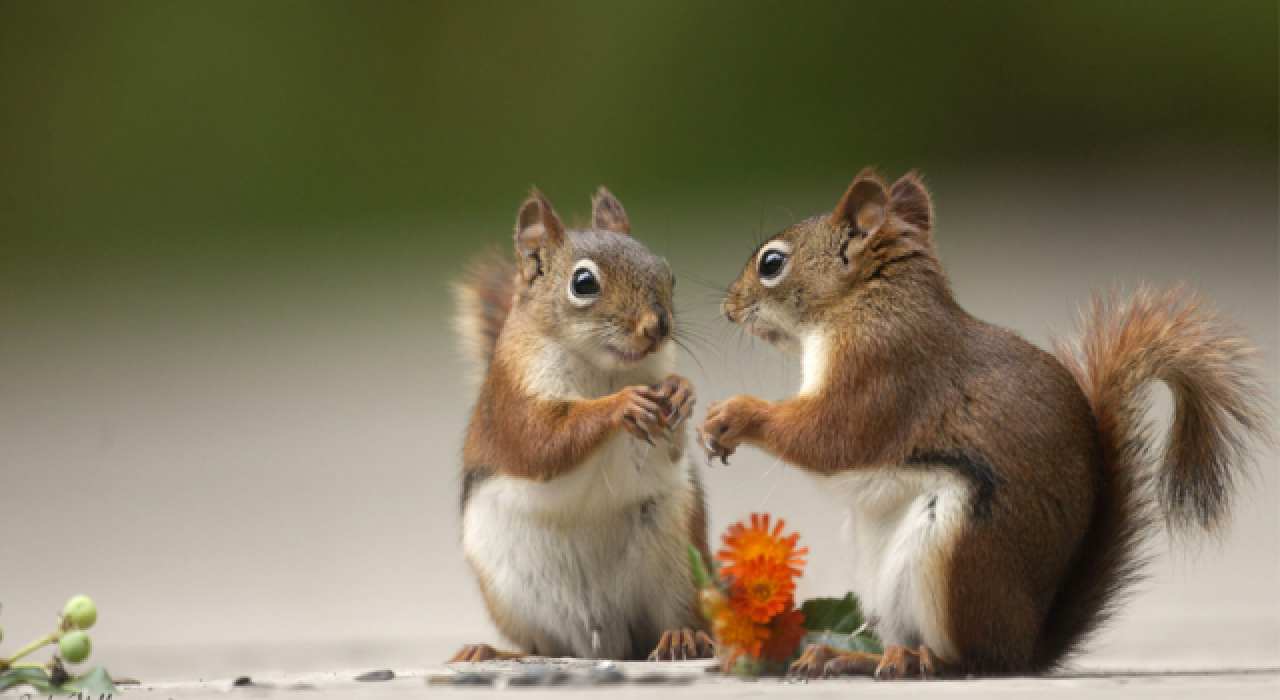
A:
(483, 297)
(1220, 407)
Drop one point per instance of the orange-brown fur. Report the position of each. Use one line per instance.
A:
(1055, 453)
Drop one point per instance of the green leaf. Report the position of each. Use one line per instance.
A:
(702, 578)
(865, 642)
(833, 621)
(838, 615)
(34, 677)
(95, 682)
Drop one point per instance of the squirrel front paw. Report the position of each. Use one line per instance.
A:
(727, 423)
(641, 412)
(677, 393)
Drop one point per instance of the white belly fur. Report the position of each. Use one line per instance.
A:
(900, 550)
(603, 547)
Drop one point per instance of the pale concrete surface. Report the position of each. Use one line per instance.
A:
(252, 464)
(695, 679)
(690, 680)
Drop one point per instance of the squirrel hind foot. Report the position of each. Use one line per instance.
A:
(483, 652)
(901, 663)
(682, 645)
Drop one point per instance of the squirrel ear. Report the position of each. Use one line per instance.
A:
(864, 206)
(910, 202)
(607, 213)
(537, 226)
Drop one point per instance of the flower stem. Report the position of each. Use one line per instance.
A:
(32, 664)
(47, 639)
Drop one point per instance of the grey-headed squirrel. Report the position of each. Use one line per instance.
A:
(578, 499)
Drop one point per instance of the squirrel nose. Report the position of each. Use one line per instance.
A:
(654, 325)
(726, 309)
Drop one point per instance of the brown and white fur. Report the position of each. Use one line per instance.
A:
(578, 500)
(998, 496)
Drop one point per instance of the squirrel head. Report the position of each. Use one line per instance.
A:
(872, 252)
(597, 291)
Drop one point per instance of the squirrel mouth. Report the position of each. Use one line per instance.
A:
(772, 334)
(630, 356)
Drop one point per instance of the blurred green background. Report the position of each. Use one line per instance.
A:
(248, 125)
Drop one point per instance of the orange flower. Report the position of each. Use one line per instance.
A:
(761, 591)
(738, 635)
(759, 566)
(786, 632)
(743, 546)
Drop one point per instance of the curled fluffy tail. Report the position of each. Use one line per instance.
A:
(1219, 401)
(483, 297)
(1220, 407)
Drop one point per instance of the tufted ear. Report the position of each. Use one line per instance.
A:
(537, 227)
(864, 206)
(909, 201)
(607, 213)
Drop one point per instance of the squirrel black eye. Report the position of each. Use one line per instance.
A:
(772, 264)
(584, 283)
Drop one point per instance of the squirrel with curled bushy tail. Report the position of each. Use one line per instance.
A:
(579, 502)
(999, 496)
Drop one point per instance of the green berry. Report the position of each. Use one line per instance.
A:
(81, 611)
(74, 646)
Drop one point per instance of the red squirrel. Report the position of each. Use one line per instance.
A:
(999, 495)
(578, 499)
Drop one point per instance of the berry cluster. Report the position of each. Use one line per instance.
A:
(73, 646)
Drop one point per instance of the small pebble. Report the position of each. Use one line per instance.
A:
(598, 676)
(383, 675)
(536, 675)
(470, 678)
(661, 679)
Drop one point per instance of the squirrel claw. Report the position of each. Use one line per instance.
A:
(714, 449)
(709, 445)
